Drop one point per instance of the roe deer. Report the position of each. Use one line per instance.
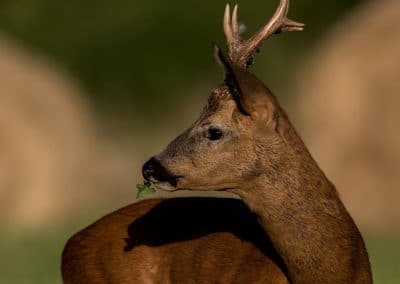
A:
(289, 227)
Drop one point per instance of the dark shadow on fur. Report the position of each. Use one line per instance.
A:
(178, 219)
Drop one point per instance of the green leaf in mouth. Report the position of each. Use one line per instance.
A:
(144, 189)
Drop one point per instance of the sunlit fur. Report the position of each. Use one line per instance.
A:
(213, 165)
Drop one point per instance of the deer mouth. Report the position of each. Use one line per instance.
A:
(164, 185)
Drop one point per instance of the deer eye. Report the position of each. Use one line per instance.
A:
(214, 134)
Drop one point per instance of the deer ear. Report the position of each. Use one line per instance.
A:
(252, 96)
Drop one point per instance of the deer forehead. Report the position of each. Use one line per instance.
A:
(217, 113)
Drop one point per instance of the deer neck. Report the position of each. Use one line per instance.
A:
(306, 221)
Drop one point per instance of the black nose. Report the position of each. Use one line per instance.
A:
(148, 168)
(153, 168)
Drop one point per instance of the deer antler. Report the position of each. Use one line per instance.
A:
(240, 50)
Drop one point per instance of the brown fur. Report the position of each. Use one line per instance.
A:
(182, 240)
(308, 233)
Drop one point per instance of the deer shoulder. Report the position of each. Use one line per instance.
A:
(195, 240)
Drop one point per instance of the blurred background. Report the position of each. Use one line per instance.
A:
(90, 89)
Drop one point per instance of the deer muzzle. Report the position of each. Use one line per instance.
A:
(153, 171)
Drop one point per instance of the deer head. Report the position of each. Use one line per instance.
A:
(242, 131)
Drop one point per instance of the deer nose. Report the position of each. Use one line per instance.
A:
(149, 168)
(155, 170)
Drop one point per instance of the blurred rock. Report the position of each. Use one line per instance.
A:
(47, 141)
(349, 111)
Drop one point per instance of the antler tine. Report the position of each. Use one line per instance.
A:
(285, 5)
(240, 51)
(231, 29)
(227, 25)
(235, 25)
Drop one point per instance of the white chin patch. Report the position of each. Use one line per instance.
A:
(164, 186)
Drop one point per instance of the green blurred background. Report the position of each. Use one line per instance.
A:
(137, 58)
(143, 70)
